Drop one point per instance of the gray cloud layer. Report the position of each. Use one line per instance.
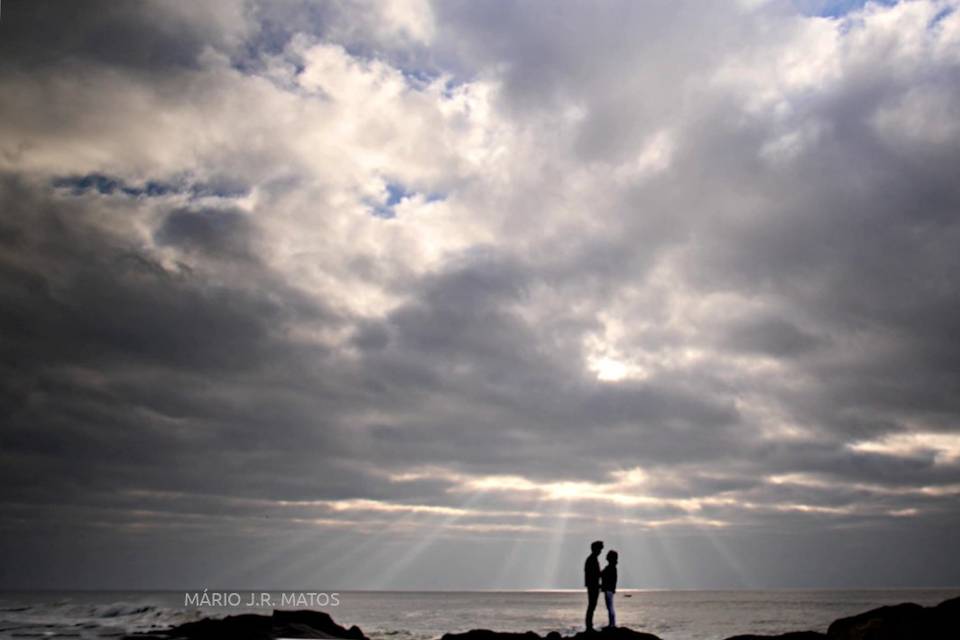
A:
(678, 275)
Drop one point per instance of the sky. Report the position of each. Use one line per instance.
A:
(413, 295)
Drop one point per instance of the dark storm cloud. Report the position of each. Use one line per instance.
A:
(112, 359)
(145, 37)
(862, 259)
(216, 231)
(773, 336)
(109, 300)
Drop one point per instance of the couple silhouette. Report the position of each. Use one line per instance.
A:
(596, 581)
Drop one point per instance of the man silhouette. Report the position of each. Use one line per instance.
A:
(591, 580)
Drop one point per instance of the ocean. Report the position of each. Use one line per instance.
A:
(409, 615)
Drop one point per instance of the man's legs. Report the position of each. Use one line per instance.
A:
(611, 614)
(592, 595)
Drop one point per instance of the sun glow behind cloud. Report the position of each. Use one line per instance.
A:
(945, 447)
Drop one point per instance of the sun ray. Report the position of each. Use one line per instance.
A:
(423, 543)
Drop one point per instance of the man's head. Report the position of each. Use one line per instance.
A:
(596, 547)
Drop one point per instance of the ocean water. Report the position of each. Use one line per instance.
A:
(408, 615)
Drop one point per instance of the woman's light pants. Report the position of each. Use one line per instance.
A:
(608, 598)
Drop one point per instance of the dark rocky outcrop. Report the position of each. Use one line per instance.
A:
(487, 634)
(900, 622)
(620, 633)
(281, 624)
(793, 635)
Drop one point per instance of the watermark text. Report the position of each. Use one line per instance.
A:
(257, 599)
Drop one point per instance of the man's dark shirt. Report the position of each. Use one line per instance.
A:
(591, 572)
(608, 578)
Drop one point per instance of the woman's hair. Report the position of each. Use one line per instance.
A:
(612, 556)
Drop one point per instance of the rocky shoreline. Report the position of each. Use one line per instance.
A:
(899, 622)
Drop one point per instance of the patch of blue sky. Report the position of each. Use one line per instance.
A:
(382, 211)
(940, 15)
(91, 182)
(150, 189)
(397, 193)
(218, 190)
(451, 85)
(419, 79)
(834, 8)
(111, 185)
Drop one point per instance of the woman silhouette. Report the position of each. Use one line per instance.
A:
(608, 584)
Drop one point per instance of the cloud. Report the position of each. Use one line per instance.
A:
(503, 275)
(152, 38)
(209, 231)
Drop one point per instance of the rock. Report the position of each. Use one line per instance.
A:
(281, 624)
(793, 635)
(901, 622)
(487, 634)
(246, 626)
(293, 624)
(620, 633)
